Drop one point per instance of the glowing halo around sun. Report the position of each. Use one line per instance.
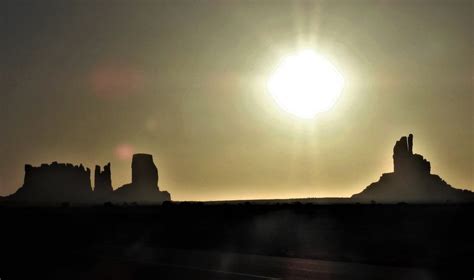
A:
(305, 84)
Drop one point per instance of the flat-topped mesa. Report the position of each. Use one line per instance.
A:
(405, 162)
(55, 182)
(102, 180)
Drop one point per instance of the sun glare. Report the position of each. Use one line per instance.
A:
(305, 84)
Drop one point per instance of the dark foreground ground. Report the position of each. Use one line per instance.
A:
(244, 241)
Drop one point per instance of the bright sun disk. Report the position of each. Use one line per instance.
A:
(305, 84)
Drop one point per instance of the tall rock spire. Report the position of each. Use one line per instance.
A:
(102, 180)
(410, 144)
(404, 161)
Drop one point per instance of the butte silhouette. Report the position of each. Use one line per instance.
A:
(144, 186)
(64, 182)
(411, 181)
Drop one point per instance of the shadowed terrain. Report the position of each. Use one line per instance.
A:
(128, 241)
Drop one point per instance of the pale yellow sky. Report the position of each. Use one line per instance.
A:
(90, 83)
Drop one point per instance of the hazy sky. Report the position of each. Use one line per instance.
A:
(94, 81)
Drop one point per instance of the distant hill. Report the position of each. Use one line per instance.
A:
(411, 181)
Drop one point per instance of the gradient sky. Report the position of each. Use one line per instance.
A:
(94, 81)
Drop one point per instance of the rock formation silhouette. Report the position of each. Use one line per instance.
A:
(407, 163)
(411, 181)
(144, 186)
(54, 182)
(103, 182)
(64, 182)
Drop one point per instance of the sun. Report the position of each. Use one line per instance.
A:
(305, 84)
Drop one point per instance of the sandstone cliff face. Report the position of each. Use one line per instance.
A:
(54, 182)
(144, 186)
(411, 180)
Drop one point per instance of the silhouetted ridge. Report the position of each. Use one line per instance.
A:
(411, 180)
